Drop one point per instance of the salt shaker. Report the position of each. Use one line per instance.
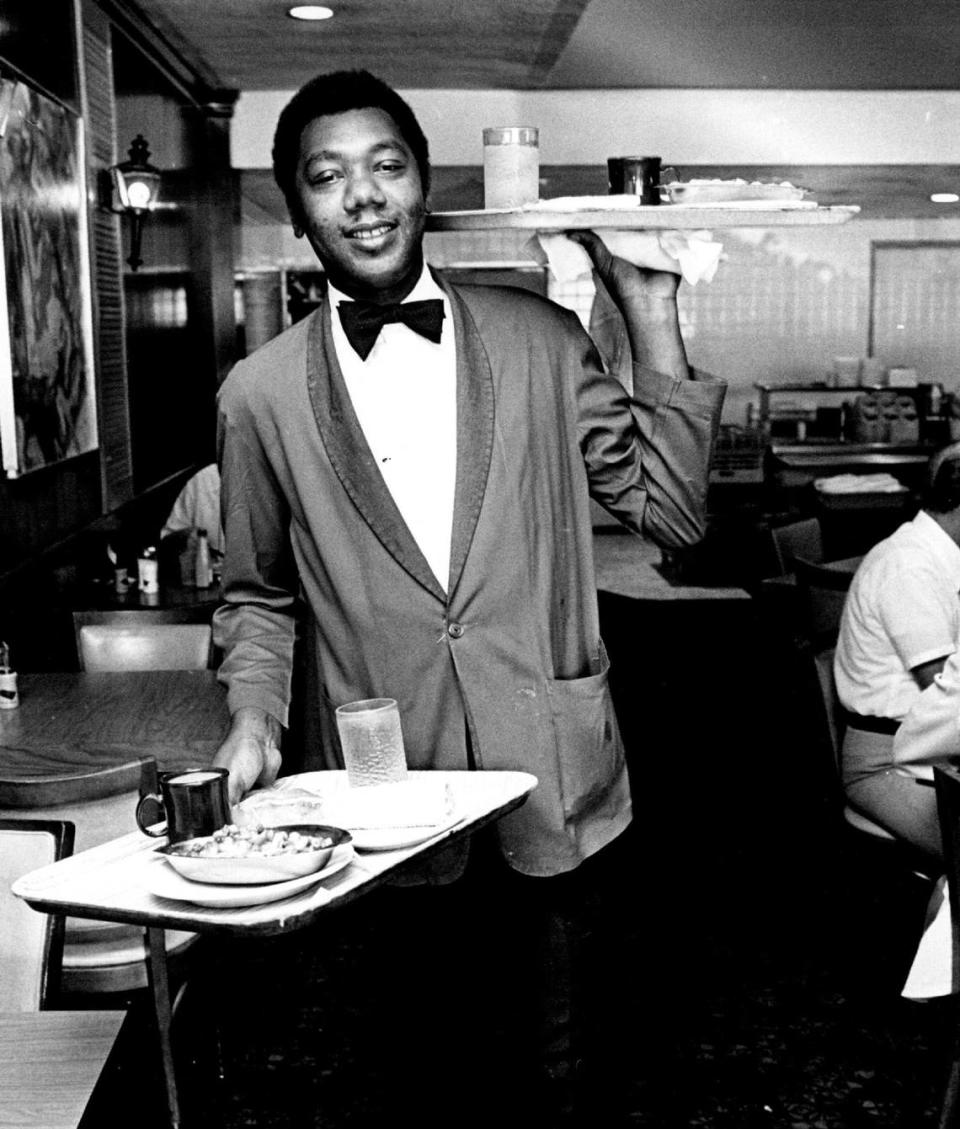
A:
(147, 574)
(203, 571)
(9, 694)
(511, 166)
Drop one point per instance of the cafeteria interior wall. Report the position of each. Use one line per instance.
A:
(783, 303)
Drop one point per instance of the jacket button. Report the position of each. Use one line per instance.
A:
(455, 630)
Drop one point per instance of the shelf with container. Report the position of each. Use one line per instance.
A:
(862, 415)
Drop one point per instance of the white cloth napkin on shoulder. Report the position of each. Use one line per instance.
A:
(692, 254)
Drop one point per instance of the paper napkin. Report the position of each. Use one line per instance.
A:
(931, 973)
(692, 254)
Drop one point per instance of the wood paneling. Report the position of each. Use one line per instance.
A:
(578, 44)
(254, 45)
(113, 407)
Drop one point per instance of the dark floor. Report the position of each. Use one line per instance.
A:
(767, 948)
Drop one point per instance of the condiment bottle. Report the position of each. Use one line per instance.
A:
(9, 694)
(147, 571)
(203, 572)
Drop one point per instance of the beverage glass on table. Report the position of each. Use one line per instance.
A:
(195, 802)
(372, 741)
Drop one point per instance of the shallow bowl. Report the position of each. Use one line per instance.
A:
(255, 868)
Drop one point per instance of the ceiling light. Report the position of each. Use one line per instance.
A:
(945, 198)
(310, 12)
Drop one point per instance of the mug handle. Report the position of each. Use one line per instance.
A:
(145, 827)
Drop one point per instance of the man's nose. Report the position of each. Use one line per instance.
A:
(362, 189)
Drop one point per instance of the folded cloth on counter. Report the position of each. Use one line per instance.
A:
(931, 973)
(859, 484)
(692, 254)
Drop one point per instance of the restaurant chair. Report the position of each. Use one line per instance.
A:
(797, 539)
(98, 957)
(148, 639)
(31, 943)
(831, 715)
(822, 593)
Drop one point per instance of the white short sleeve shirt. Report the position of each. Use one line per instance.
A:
(902, 610)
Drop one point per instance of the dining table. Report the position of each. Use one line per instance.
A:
(127, 880)
(50, 1062)
(73, 721)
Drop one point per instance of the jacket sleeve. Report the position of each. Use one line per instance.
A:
(256, 625)
(648, 455)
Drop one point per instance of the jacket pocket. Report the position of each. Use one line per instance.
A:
(589, 748)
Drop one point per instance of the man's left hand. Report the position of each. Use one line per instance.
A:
(624, 281)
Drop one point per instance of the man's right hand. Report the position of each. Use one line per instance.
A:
(251, 751)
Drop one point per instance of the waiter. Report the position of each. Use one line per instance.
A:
(407, 474)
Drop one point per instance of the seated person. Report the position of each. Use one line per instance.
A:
(198, 507)
(901, 622)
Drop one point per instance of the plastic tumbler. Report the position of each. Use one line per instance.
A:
(511, 166)
(372, 742)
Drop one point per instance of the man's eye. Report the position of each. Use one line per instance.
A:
(391, 166)
(322, 179)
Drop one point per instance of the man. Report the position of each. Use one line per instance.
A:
(901, 622)
(421, 503)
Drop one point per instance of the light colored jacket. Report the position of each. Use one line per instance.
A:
(512, 650)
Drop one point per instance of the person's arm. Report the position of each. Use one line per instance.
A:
(925, 673)
(647, 299)
(251, 751)
(648, 456)
(256, 625)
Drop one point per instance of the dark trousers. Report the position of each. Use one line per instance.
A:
(508, 1000)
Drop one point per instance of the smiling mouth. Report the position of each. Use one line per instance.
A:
(371, 232)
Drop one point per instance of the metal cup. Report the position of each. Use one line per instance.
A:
(195, 802)
(635, 176)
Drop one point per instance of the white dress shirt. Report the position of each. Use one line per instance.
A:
(405, 397)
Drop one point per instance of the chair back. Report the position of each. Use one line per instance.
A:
(832, 712)
(99, 803)
(823, 592)
(797, 539)
(31, 943)
(151, 639)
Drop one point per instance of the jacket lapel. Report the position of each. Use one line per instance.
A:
(351, 457)
(475, 425)
(357, 470)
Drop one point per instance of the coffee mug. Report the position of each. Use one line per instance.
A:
(195, 802)
(635, 176)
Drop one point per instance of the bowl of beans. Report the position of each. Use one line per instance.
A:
(252, 855)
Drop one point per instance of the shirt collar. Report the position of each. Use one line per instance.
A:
(425, 288)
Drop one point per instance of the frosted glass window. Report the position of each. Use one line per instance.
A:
(915, 309)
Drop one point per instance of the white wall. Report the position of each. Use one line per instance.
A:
(786, 300)
(694, 127)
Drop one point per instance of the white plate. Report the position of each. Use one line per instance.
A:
(163, 881)
(393, 838)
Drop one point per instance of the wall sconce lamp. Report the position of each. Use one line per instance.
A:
(134, 187)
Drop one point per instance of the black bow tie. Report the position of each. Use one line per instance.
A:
(362, 321)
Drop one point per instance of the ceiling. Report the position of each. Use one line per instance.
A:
(248, 45)
(575, 44)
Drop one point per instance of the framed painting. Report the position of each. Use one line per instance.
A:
(47, 390)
